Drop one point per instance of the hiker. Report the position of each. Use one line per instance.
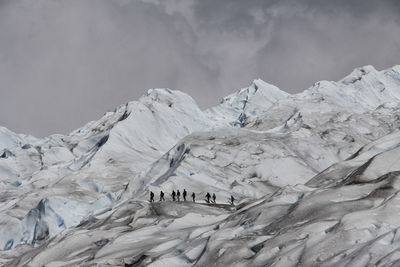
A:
(178, 194)
(193, 197)
(162, 196)
(151, 196)
(184, 194)
(208, 197)
(232, 199)
(173, 195)
(214, 197)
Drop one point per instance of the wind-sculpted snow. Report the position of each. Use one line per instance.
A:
(315, 177)
(296, 226)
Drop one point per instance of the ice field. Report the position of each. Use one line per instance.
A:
(315, 175)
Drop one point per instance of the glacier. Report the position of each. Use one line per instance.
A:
(314, 175)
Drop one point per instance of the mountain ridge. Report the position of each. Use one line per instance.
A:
(260, 144)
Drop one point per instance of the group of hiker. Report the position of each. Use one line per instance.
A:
(176, 196)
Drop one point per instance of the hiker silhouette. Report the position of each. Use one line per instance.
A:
(178, 194)
(194, 197)
(162, 196)
(173, 195)
(232, 199)
(151, 196)
(208, 197)
(184, 194)
(214, 197)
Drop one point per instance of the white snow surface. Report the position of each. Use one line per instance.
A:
(315, 175)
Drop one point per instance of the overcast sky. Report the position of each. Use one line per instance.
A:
(64, 63)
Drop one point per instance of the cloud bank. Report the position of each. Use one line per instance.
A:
(63, 63)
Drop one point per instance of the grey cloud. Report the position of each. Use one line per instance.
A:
(63, 63)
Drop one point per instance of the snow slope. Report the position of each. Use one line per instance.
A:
(314, 175)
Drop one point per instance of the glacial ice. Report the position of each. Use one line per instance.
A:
(315, 176)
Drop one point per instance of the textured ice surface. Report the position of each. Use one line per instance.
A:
(315, 176)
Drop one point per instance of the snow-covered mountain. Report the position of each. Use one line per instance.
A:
(314, 176)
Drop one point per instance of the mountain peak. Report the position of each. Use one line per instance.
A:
(168, 98)
(357, 74)
(267, 87)
(269, 94)
(238, 108)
